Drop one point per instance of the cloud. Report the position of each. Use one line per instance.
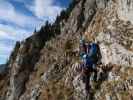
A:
(3, 59)
(13, 32)
(5, 51)
(21, 1)
(45, 9)
(9, 14)
(8, 37)
(16, 26)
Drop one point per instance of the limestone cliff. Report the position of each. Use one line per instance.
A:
(45, 66)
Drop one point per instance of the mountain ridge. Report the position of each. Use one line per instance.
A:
(44, 66)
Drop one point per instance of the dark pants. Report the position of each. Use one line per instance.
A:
(86, 73)
(86, 79)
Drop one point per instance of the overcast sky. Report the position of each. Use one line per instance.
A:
(19, 18)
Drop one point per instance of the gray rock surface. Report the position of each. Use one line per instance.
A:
(112, 52)
(45, 70)
(125, 10)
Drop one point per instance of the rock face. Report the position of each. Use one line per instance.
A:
(114, 53)
(125, 10)
(27, 54)
(46, 66)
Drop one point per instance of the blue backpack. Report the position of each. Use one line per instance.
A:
(94, 52)
(91, 57)
(94, 49)
(88, 61)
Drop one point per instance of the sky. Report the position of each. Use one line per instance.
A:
(19, 18)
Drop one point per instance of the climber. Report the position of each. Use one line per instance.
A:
(90, 57)
(94, 57)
